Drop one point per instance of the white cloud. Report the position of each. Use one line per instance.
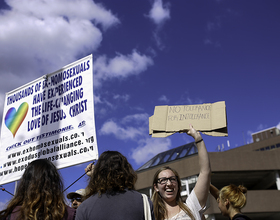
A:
(159, 12)
(39, 37)
(97, 99)
(2, 205)
(131, 127)
(211, 26)
(150, 147)
(163, 98)
(158, 40)
(249, 138)
(261, 127)
(120, 66)
(125, 97)
(278, 126)
(69, 9)
(207, 41)
(122, 133)
(135, 128)
(136, 118)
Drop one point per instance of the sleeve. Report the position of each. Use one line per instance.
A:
(193, 204)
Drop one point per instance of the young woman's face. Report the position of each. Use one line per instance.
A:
(222, 206)
(167, 185)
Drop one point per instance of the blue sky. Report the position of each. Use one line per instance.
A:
(149, 53)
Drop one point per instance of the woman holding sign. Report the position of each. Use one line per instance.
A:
(167, 198)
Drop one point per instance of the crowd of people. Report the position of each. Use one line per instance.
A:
(111, 193)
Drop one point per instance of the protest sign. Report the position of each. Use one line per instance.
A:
(51, 117)
(208, 118)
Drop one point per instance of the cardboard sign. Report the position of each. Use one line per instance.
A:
(51, 117)
(208, 118)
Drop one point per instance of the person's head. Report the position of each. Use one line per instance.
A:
(76, 197)
(167, 185)
(40, 192)
(232, 196)
(112, 173)
(39, 177)
(167, 189)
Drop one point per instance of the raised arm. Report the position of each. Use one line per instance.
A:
(201, 188)
(214, 191)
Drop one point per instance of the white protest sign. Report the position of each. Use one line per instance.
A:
(51, 117)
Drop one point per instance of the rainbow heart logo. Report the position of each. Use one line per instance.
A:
(14, 119)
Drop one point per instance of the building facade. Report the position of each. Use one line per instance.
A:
(255, 165)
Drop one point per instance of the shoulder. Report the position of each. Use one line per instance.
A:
(71, 213)
(194, 206)
(134, 192)
(192, 198)
(240, 217)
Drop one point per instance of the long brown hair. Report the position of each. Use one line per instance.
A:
(159, 205)
(112, 173)
(39, 194)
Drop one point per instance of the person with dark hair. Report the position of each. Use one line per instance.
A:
(167, 198)
(231, 199)
(39, 195)
(110, 193)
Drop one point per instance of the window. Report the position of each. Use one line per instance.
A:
(192, 181)
(156, 161)
(166, 157)
(183, 153)
(174, 155)
(145, 165)
(193, 150)
(184, 187)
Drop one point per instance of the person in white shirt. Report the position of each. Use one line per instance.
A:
(166, 197)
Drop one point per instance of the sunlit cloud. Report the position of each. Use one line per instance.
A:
(123, 133)
(135, 128)
(52, 34)
(136, 118)
(2, 205)
(148, 148)
(120, 66)
(125, 97)
(159, 12)
(163, 98)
